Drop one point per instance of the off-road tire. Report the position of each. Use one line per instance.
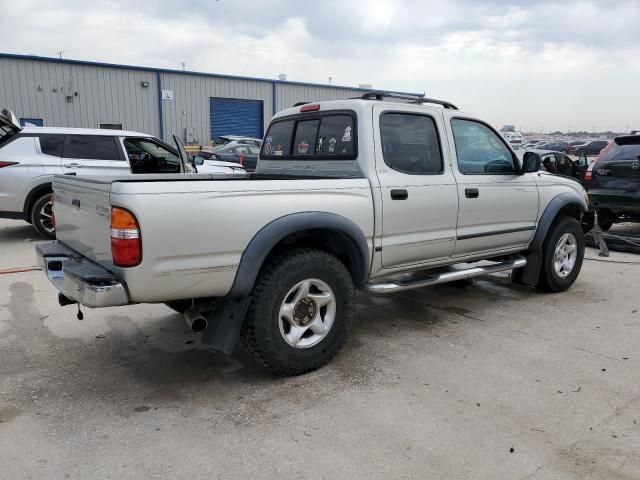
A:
(36, 221)
(549, 280)
(261, 329)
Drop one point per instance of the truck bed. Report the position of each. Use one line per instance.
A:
(194, 228)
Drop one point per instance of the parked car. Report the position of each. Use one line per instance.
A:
(213, 166)
(31, 156)
(593, 147)
(225, 140)
(556, 146)
(559, 163)
(613, 181)
(348, 194)
(245, 155)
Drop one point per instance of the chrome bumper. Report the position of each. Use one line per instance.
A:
(78, 278)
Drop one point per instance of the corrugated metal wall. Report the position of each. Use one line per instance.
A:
(190, 106)
(289, 94)
(39, 89)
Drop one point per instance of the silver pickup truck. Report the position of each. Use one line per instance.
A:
(367, 194)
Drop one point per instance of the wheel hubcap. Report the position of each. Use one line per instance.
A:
(307, 313)
(564, 258)
(46, 217)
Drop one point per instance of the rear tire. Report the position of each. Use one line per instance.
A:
(300, 312)
(41, 216)
(605, 219)
(562, 255)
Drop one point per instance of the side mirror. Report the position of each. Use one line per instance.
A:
(198, 160)
(531, 162)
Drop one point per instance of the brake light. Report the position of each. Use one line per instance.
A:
(7, 164)
(589, 173)
(310, 107)
(241, 160)
(126, 244)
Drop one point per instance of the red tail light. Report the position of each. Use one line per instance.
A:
(241, 160)
(589, 173)
(126, 244)
(310, 107)
(7, 164)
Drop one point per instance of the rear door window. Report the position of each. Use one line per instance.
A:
(410, 143)
(51, 144)
(91, 147)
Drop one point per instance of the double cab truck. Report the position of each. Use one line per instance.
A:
(376, 194)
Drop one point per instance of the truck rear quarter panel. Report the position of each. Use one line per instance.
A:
(194, 233)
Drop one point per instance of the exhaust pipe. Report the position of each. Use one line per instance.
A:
(196, 321)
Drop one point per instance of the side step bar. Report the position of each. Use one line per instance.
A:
(409, 281)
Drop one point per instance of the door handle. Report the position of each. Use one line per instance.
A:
(399, 194)
(72, 165)
(471, 192)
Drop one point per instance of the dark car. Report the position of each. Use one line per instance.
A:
(613, 182)
(245, 155)
(556, 146)
(589, 148)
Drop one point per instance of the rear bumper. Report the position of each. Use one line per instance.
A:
(80, 279)
(615, 199)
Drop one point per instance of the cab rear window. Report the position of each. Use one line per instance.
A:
(329, 136)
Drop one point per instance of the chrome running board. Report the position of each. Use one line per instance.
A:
(450, 274)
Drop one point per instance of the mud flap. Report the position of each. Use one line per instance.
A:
(224, 324)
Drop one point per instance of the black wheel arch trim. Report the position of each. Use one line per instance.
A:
(530, 273)
(33, 195)
(271, 234)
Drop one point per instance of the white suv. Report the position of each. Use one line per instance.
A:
(31, 156)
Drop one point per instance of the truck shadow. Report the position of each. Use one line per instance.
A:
(126, 372)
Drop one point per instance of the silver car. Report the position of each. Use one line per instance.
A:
(31, 156)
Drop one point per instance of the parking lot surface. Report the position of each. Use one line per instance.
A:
(487, 381)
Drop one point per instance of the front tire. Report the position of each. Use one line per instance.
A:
(41, 216)
(562, 255)
(300, 312)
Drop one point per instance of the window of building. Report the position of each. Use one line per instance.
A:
(110, 126)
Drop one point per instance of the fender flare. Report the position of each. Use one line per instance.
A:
(529, 274)
(263, 242)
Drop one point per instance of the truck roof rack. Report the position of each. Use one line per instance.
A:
(376, 95)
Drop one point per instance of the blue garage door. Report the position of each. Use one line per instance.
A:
(232, 116)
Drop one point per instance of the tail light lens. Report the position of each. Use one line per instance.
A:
(241, 160)
(7, 164)
(588, 176)
(126, 244)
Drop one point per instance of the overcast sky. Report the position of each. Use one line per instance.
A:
(535, 64)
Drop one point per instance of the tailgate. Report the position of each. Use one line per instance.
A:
(82, 214)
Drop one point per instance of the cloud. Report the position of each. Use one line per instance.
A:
(533, 63)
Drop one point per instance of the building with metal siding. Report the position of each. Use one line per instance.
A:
(71, 93)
